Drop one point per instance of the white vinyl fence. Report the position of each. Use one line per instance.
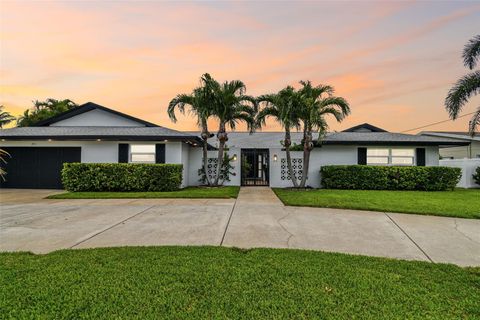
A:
(468, 167)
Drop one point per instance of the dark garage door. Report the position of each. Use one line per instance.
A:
(37, 167)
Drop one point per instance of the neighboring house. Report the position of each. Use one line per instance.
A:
(92, 133)
(470, 151)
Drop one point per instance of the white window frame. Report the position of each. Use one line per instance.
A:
(390, 156)
(131, 154)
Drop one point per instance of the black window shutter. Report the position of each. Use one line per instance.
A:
(421, 157)
(160, 153)
(362, 156)
(123, 153)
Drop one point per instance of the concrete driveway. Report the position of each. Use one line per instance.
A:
(256, 219)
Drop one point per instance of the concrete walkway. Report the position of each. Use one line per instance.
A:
(256, 219)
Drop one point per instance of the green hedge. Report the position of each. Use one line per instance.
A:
(390, 178)
(121, 177)
(476, 175)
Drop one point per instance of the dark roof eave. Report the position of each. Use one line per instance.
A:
(396, 143)
(103, 137)
(89, 106)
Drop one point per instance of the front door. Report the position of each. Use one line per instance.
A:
(255, 169)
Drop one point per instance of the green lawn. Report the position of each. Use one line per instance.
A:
(462, 203)
(220, 283)
(190, 192)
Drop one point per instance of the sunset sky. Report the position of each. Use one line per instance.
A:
(393, 61)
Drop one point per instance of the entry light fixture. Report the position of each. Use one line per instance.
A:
(49, 140)
(234, 157)
(3, 139)
(99, 139)
(275, 158)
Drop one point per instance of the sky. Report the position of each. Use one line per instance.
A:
(393, 61)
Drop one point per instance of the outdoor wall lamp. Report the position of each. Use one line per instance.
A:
(275, 158)
(234, 157)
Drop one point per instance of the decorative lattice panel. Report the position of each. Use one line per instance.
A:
(212, 167)
(297, 167)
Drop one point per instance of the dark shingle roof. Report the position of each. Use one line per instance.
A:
(272, 139)
(112, 133)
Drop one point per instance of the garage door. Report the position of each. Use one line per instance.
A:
(37, 167)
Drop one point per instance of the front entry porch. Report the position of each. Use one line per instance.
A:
(255, 167)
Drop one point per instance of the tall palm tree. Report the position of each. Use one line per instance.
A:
(200, 103)
(230, 106)
(5, 117)
(317, 102)
(283, 107)
(467, 86)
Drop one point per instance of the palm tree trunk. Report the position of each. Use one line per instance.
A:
(287, 143)
(307, 147)
(222, 138)
(205, 135)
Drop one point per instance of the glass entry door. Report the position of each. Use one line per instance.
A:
(255, 170)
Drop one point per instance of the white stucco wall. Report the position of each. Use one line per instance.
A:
(92, 151)
(97, 118)
(468, 167)
(326, 155)
(195, 163)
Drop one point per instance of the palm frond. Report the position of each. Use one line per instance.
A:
(460, 93)
(471, 52)
(474, 122)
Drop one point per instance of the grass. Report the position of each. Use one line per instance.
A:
(220, 283)
(190, 192)
(461, 203)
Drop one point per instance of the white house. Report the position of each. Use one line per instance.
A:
(467, 151)
(95, 134)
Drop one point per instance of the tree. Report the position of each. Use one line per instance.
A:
(5, 117)
(3, 156)
(200, 102)
(467, 86)
(230, 106)
(316, 103)
(283, 107)
(42, 110)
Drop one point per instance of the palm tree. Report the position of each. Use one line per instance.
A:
(5, 117)
(467, 86)
(3, 155)
(283, 107)
(42, 110)
(230, 106)
(317, 102)
(200, 103)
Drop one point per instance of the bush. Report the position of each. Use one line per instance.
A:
(121, 177)
(476, 176)
(390, 178)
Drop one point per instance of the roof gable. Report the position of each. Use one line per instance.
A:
(84, 114)
(364, 127)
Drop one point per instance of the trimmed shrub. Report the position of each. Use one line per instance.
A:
(121, 177)
(390, 178)
(476, 175)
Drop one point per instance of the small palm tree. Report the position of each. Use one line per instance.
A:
(200, 106)
(5, 117)
(3, 160)
(317, 102)
(467, 86)
(230, 106)
(283, 107)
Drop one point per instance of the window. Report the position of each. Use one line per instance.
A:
(377, 156)
(142, 153)
(397, 157)
(403, 157)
